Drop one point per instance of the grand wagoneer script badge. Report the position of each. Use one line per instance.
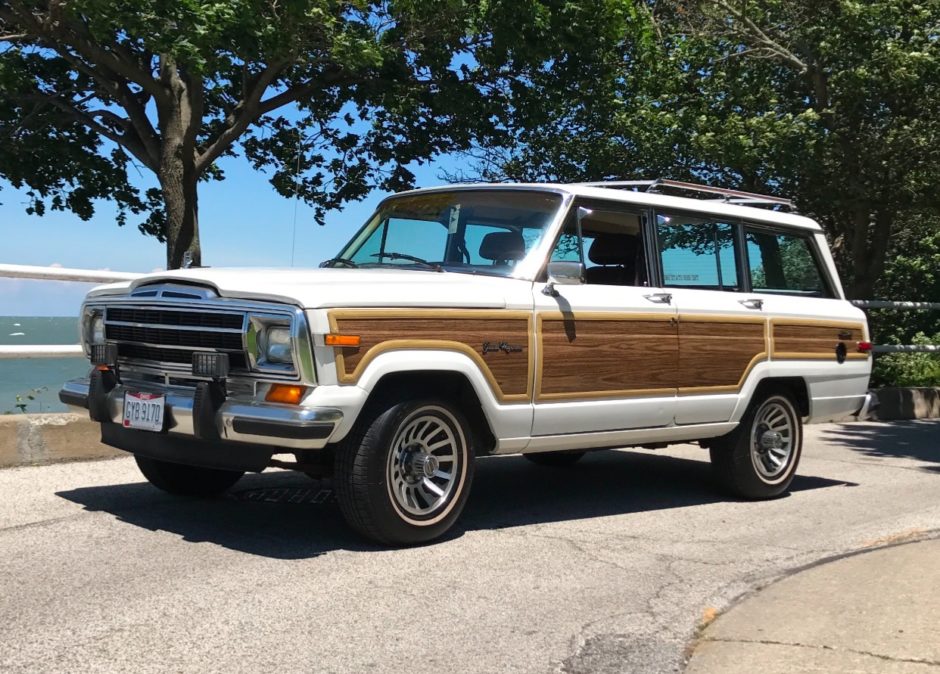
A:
(496, 347)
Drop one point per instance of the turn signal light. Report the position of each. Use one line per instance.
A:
(342, 340)
(285, 393)
(864, 347)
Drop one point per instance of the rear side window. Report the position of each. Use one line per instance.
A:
(697, 252)
(784, 263)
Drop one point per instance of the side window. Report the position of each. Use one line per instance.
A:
(783, 263)
(613, 246)
(697, 252)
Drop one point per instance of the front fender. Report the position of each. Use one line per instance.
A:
(509, 419)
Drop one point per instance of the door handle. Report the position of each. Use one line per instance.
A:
(753, 303)
(659, 298)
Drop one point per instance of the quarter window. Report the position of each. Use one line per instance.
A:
(783, 263)
(697, 252)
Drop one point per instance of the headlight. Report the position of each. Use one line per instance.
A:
(93, 326)
(277, 345)
(270, 342)
(96, 330)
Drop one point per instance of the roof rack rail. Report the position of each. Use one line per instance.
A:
(661, 185)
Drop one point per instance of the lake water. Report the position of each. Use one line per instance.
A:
(41, 377)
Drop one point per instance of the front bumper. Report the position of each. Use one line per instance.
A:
(233, 421)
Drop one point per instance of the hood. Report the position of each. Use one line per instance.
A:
(337, 287)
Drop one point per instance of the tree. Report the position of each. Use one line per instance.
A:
(833, 103)
(337, 96)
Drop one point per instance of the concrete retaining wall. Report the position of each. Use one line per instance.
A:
(35, 439)
(907, 403)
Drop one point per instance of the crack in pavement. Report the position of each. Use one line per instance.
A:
(41, 523)
(823, 647)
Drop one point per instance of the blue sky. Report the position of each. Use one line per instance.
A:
(243, 222)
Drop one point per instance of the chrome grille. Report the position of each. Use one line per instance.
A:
(201, 319)
(168, 336)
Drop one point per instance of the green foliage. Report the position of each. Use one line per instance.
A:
(23, 400)
(909, 369)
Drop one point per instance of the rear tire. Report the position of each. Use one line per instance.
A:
(758, 459)
(555, 459)
(404, 473)
(176, 478)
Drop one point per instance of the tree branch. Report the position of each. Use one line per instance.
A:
(63, 33)
(246, 112)
(749, 28)
(88, 119)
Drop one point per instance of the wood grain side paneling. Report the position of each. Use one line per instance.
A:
(717, 353)
(606, 357)
(510, 374)
(816, 340)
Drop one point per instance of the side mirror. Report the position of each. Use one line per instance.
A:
(563, 274)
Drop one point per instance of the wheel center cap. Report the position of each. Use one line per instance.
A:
(771, 440)
(425, 465)
(421, 465)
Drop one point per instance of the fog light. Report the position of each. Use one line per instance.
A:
(210, 364)
(104, 354)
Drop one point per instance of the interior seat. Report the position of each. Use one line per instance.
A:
(615, 255)
(503, 248)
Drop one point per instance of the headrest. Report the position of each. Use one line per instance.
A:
(502, 246)
(610, 249)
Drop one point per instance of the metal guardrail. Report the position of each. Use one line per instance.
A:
(901, 306)
(23, 271)
(65, 274)
(41, 351)
(105, 276)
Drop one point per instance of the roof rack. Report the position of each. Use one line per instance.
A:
(662, 185)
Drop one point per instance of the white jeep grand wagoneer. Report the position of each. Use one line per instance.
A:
(465, 321)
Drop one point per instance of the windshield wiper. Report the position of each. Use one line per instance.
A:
(410, 258)
(333, 261)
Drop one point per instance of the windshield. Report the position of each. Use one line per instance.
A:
(473, 231)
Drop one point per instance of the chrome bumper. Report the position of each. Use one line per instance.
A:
(236, 420)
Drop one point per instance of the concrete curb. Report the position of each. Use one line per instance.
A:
(36, 439)
(906, 403)
(868, 610)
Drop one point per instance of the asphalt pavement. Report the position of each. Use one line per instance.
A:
(612, 565)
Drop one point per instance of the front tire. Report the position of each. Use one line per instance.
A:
(758, 459)
(176, 478)
(404, 474)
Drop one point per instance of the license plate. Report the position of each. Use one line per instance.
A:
(143, 411)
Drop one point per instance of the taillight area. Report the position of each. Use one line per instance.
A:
(864, 347)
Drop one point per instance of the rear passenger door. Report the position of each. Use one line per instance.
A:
(722, 335)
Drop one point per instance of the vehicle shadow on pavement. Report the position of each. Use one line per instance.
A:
(511, 492)
(919, 440)
(284, 515)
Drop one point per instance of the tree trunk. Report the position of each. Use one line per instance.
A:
(177, 171)
(178, 183)
(870, 240)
